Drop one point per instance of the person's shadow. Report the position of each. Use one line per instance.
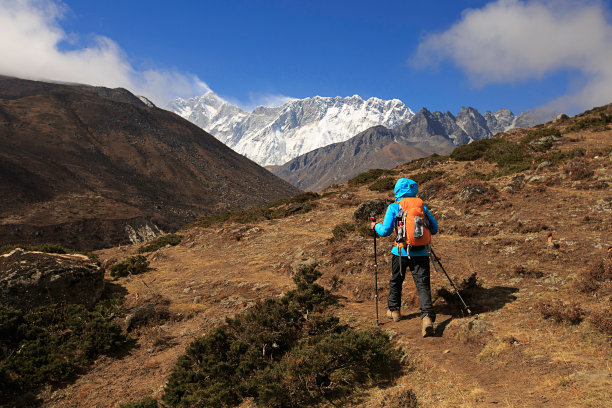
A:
(478, 299)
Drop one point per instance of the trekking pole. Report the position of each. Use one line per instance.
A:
(375, 272)
(434, 259)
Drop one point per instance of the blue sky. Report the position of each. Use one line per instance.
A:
(440, 54)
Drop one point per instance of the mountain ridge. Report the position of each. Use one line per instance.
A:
(274, 135)
(425, 134)
(79, 164)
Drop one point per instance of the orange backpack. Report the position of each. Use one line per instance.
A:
(412, 224)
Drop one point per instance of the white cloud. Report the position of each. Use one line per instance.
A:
(511, 41)
(30, 48)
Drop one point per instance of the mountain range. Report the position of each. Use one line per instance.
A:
(379, 147)
(275, 135)
(89, 167)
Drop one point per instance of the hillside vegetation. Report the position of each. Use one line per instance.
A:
(525, 221)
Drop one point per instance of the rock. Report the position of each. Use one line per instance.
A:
(479, 326)
(304, 262)
(544, 164)
(156, 309)
(469, 192)
(371, 208)
(139, 315)
(32, 279)
(142, 231)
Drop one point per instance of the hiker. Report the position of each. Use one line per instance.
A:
(417, 256)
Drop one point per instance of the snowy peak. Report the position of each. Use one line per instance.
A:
(273, 136)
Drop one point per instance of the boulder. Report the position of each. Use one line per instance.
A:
(32, 279)
(371, 208)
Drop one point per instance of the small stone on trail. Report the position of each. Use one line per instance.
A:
(446, 351)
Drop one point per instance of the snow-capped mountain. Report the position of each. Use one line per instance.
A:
(273, 136)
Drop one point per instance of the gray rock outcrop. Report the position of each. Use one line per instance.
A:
(371, 208)
(32, 279)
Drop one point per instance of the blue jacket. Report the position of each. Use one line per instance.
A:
(404, 188)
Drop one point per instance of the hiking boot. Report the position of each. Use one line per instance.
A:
(395, 315)
(428, 329)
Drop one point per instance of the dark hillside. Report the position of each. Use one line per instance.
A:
(79, 163)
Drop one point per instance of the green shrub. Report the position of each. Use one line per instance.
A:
(51, 344)
(595, 124)
(143, 403)
(540, 140)
(383, 184)
(134, 265)
(369, 176)
(559, 156)
(508, 156)
(328, 368)
(283, 352)
(170, 239)
(474, 150)
(340, 231)
(48, 248)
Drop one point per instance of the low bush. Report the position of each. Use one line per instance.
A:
(383, 184)
(340, 231)
(510, 157)
(596, 124)
(474, 150)
(560, 312)
(556, 157)
(170, 239)
(369, 176)
(283, 352)
(50, 344)
(134, 265)
(541, 140)
(590, 280)
(143, 403)
(602, 322)
(48, 248)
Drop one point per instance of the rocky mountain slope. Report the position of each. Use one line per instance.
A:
(88, 167)
(425, 134)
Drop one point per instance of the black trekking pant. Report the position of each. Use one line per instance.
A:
(419, 267)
